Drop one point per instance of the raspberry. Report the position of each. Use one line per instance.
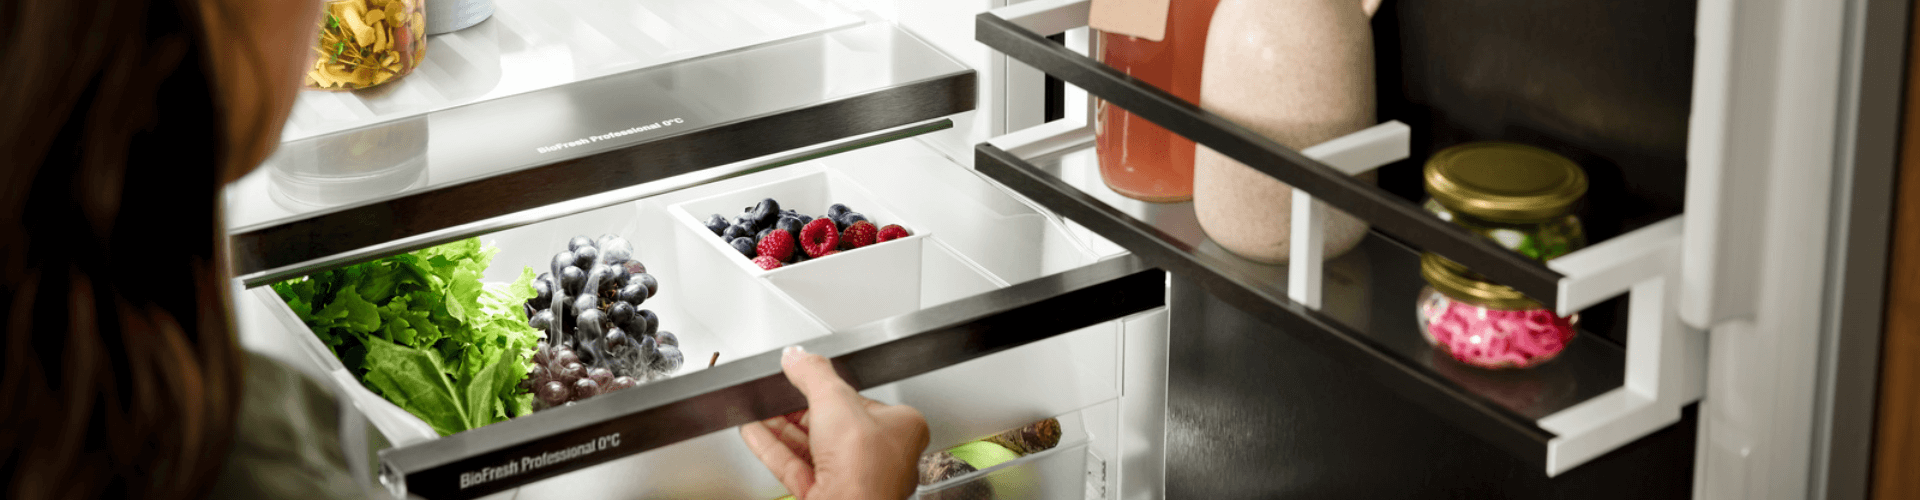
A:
(777, 244)
(819, 237)
(859, 234)
(892, 232)
(768, 262)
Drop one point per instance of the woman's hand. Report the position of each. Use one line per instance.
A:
(843, 446)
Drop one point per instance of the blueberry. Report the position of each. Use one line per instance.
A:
(717, 223)
(764, 213)
(791, 225)
(836, 210)
(653, 285)
(762, 235)
(584, 257)
(732, 232)
(578, 242)
(745, 246)
(572, 278)
(653, 321)
(850, 218)
(744, 221)
(635, 292)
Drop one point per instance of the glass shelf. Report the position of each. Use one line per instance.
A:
(411, 177)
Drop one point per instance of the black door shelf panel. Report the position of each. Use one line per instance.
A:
(1503, 408)
(1387, 212)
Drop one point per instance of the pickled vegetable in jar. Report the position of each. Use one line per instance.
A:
(1518, 196)
(1522, 198)
(364, 43)
(1487, 325)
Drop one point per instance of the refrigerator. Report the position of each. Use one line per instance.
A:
(1741, 156)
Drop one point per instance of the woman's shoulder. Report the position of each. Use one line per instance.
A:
(286, 441)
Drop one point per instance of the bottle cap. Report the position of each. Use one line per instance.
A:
(1504, 182)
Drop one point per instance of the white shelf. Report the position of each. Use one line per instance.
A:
(530, 45)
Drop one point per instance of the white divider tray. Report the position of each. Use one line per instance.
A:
(842, 290)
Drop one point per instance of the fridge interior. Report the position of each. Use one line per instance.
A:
(969, 237)
(971, 233)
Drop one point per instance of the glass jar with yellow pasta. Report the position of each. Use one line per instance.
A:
(364, 43)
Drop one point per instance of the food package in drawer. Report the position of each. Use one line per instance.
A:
(1043, 460)
(842, 272)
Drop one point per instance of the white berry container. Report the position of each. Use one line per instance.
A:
(842, 290)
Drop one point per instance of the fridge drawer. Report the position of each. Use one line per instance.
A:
(983, 347)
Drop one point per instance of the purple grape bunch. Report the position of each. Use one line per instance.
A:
(598, 339)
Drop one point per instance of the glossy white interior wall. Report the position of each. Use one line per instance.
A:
(1761, 161)
(1010, 93)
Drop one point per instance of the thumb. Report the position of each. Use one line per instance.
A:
(813, 374)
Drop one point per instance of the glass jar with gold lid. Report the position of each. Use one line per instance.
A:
(1522, 198)
(1487, 325)
(364, 43)
(1519, 196)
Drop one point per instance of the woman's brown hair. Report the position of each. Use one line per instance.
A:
(120, 375)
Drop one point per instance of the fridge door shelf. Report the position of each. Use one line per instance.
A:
(409, 173)
(1599, 397)
(1020, 32)
(1595, 397)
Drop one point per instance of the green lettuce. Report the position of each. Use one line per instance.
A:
(423, 331)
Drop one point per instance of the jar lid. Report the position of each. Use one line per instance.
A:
(1450, 279)
(1505, 182)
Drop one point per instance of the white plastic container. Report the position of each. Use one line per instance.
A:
(1058, 473)
(840, 291)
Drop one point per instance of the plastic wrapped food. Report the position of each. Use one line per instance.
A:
(364, 43)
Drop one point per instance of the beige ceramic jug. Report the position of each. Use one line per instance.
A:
(1299, 72)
